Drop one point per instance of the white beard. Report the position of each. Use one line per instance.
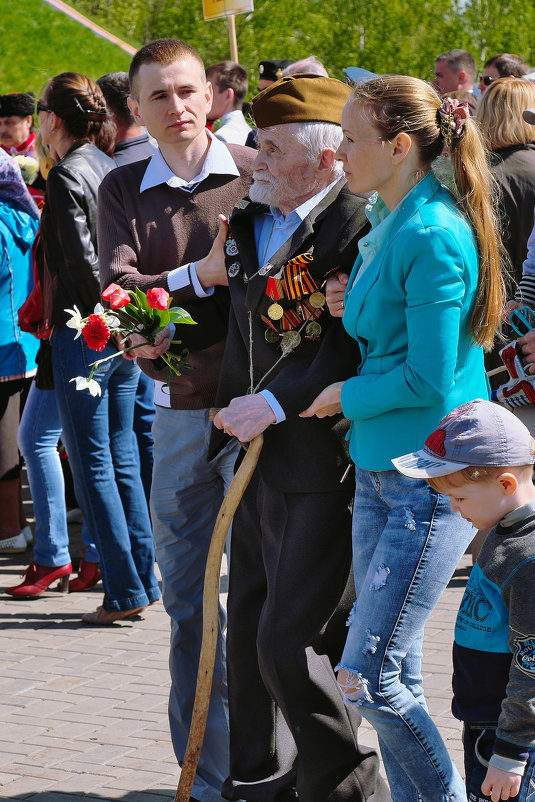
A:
(264, 192)
(273, 192)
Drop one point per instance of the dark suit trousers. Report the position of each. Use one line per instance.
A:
(289, 727)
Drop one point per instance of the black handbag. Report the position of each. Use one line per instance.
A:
(44, 378)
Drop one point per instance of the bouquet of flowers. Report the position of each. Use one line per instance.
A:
(131, 312)
(29, 168)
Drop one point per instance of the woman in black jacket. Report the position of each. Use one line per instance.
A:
(97, 428)
(511, 142)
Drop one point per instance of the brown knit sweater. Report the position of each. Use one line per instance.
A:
(143, 236)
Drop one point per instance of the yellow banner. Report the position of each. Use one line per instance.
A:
(213, 9)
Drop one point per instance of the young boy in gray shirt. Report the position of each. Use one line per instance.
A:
(482, 457)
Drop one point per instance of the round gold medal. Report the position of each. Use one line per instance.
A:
(317, 300)
(275, 312)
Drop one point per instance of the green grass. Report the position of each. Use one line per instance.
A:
(38, 42)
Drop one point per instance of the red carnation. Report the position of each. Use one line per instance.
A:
(158, 298)
(96, 332)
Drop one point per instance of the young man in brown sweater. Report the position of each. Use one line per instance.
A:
(157, 221)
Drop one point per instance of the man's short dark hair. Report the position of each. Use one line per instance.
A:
(507, 64)
(459, 60)
(229, 75)
(161, 51)
(116, 90)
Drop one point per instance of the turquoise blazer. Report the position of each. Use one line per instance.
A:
(409, 309)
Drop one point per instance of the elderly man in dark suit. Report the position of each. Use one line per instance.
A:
(291, 735)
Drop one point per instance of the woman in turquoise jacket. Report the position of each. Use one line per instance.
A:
(424, 296)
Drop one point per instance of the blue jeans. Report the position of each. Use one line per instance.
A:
(98, 436)
(406, 546)
(187, 492)
(39, 432)
(478, 743)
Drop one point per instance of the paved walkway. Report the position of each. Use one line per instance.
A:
(83, 710)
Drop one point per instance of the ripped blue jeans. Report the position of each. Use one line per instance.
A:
(406, 546)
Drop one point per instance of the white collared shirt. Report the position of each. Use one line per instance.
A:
(218, 161)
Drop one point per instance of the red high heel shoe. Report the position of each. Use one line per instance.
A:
(38, 578)
(88, 576)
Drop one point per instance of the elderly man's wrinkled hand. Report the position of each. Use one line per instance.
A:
(245, 417)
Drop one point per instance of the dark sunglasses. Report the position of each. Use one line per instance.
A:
(42, 107)
(487, 79)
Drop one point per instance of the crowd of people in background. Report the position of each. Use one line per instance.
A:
(348, 250)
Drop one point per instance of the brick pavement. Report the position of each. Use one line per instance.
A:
(83, 709)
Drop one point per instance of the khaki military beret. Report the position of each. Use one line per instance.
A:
(300, 98)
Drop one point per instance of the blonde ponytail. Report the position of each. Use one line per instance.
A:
(476, 190)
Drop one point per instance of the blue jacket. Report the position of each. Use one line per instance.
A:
(409, 309)
(17, 233)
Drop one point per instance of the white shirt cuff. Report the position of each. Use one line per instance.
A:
(275, 406)
(508, 764)
(184, 276)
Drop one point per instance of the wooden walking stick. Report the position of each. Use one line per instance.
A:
(210, 618)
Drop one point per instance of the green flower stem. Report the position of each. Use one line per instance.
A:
(94, 365)
(171, 360)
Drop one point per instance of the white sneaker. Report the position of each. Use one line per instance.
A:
(13, 545)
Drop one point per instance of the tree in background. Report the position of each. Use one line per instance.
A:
(398, 36)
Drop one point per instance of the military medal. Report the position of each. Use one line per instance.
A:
(275, 311)
(317, 300)
(231, 249)
(290, 340)
(264, 269)
(234, 269)
(297, 280)
(313, 329)
(271, 336)
(274, 289)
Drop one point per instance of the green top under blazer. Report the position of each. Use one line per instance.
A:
(408, 304)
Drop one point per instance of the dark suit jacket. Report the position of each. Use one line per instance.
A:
(300, 454)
